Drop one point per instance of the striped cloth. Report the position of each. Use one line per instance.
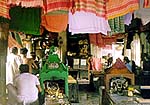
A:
(117, 25)
(54, 5)
(4, 9)
(116, 8)
(12, 42)
(26, 3)
(97, 7)
(146, 4)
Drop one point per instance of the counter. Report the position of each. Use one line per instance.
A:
(115, 99)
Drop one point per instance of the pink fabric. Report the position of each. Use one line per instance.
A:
(86, 22)
(96, 64)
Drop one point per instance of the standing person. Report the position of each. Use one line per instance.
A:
(25, 89)
(109, 60)
(12, 65)
(36, 61)
(29, 61)
(128, 63)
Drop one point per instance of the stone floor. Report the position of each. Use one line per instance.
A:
(87, 96)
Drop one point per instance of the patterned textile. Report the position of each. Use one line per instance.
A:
(97, 7)
(26, 3)
(4, 9)
(117, 25)
(53, 5)
(12, 42)
(146, 4)
(120, 7)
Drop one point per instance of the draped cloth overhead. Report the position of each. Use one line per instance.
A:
(12, 42)
(146, 4)
(86, 22)
(97, 7)
(53, 5)
(26, 3)
(55, 22)
(25, 20)
(115, 8)
(117, 25)
(101, 40)
(4, 9)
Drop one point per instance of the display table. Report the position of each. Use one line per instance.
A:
(71, 80)
(81, 75)
(73, 89)
(115, 99)
(61, 101)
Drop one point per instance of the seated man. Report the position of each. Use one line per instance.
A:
(25, 88)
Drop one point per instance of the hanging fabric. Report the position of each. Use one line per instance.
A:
(12, 42)
(86, 22)
(4, 9)
(26, 20)
(97, 7)
(26, 3)
(136, 49)
(18, 39)
(146, 4)
(143, 12)
(101, 40)
(117, 25)
(55, 21)
(127, 18)
(120, 7)
(54, 5)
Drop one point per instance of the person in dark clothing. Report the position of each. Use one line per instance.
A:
(130, 64)
(109, 60)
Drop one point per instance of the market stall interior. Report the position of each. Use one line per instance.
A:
(98, 47)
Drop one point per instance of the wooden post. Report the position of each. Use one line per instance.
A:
(3, 54)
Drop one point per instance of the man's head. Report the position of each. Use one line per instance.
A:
(14, 50)
(24, 68)
(126, 59)
(23, 51)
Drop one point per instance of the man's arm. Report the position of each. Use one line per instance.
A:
(39, 88)
(33, 64)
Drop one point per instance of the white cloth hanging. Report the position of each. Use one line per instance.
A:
(86, 22)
